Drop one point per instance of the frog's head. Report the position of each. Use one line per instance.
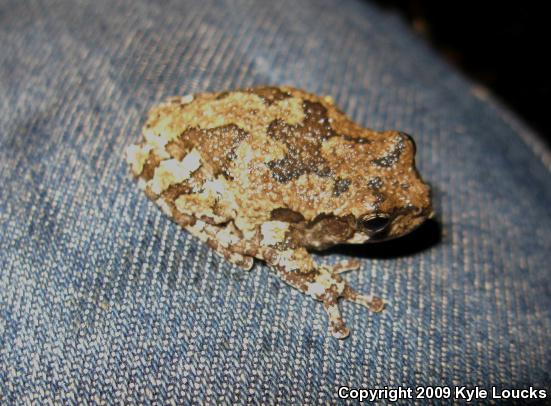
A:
(383, 198)
(402, 199)
(372, 226)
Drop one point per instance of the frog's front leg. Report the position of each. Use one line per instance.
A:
(322, 282)
(345, 266)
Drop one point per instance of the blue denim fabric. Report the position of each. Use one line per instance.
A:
(103, 299)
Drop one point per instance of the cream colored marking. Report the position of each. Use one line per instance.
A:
(226, 238)
(196, 205)
(290, 262)
(289, 109)
(358, 238)
(136, 157)
(315, 289)
(273, 232)
(197, 230)
(335, 317)
(188, 98)
(323, 282)
(215, 187)
(245, 154)
(244, 225)
(274, 150)
(172, 171)
(142, 184)
(287, 261)
(218, 191)
(252, 156)
(156, 142)
(165, 128)
(165, 207)
(192, 161)
(203, 203)
(369, 206)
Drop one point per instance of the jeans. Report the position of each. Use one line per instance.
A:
(103, 299)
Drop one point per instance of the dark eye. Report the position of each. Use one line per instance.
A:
(375, 223)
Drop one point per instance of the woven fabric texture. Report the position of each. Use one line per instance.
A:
(104, 299)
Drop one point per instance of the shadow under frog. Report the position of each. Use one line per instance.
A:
(428, 235)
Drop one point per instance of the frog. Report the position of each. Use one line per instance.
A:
(275, 174)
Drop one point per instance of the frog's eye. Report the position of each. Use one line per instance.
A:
(375, 223)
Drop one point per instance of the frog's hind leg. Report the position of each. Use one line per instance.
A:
(220, 238)
(323, 283)
(242, 261)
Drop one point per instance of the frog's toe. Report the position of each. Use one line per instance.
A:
(340, 333)
(345, 266)
(337, 327)
(373, 303)
(242, 261)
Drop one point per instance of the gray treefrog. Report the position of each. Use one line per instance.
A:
(274, 173)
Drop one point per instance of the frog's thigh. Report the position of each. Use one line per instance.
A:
(220, 239)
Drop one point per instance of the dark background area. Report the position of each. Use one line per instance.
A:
(504, 46)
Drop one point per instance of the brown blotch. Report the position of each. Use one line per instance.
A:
(176, 190)
(341, 186)
(213, 244)
(150, 194)
(217, 210)
(208, 219)
(379, 199)
(177, 149)
(303, 142)
(182, 219)
(297, 279)
(221, 95)
(392, 158)
(152, 161)
(325, 231)
(219, 144)
(375, 183)
(269, 94)
(287, 215)
(357, 140)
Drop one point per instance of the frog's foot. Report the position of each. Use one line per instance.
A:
(322, 282)
(337, 327)
(329, 287)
